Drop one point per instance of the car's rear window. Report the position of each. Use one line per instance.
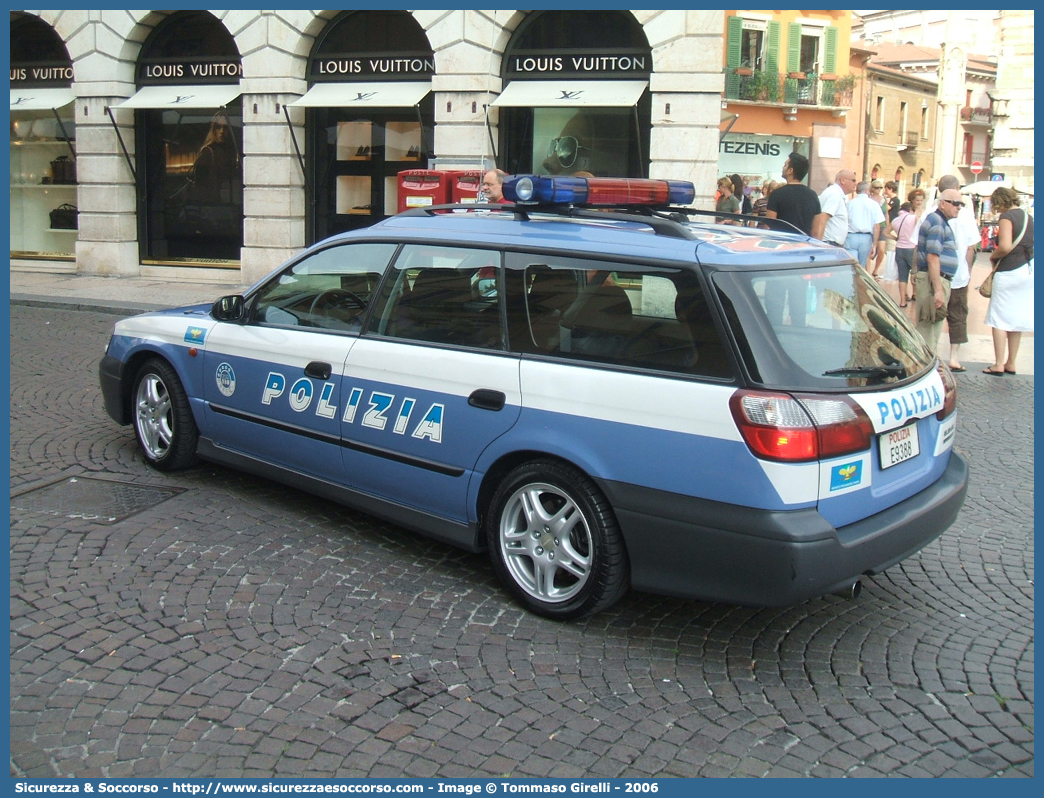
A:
(820, 328)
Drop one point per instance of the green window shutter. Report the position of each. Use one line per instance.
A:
(793, 47)
(790, 90)
(733, 44)
(772, 48)
(830, 56)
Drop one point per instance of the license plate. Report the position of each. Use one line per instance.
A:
(898, 445)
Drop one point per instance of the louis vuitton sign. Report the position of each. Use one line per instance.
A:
(189, 71)
(369, 67)
(34, 75)
(544, 64)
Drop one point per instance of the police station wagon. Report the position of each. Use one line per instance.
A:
(603, 399)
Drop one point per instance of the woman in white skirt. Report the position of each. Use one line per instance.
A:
(1010, 313)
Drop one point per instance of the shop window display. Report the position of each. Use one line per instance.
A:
(43, 184)
(195, 183)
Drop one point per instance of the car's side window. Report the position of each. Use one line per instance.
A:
(446, 295)
(612, 313)
(329, 289)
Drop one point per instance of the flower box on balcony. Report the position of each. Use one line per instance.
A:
(744, 72)
(796, 75)
(828, 76)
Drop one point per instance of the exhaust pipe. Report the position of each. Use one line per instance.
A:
(852, 591)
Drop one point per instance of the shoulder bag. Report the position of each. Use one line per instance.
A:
(986, 289)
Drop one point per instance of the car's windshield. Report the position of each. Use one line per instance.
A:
(820, 328)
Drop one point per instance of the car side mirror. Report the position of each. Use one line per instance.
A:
(229, 308)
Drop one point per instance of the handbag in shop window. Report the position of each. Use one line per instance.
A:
(64, 217)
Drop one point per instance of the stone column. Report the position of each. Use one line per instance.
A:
(468, 49)
(686, 85)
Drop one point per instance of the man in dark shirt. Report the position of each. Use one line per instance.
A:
(794, 202)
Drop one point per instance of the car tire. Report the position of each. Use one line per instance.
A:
(163, 422)
(555, 542)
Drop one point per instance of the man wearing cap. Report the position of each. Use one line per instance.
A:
(936, 262)
(865, 218)
(966, 236)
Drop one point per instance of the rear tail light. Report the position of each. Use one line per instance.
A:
(793, 429)
(950, 395)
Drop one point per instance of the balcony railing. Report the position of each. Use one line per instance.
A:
(909, 138)
(794, 88)
(980, 115)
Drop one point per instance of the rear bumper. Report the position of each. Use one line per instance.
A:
(699, 549)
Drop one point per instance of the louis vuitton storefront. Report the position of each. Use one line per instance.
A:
(44, 214)
(576, 95)
(369, 115)
(209, 144)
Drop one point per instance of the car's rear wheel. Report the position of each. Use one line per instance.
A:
(163, 422)
(555, 542)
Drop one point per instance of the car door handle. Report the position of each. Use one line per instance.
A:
(318, 370)
(486, 399)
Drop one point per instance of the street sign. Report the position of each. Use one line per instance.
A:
(976, 167)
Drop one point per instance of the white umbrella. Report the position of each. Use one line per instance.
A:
(985, 188)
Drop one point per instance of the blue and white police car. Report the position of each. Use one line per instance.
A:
(592, 384)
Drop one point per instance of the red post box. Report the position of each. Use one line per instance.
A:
(465, 185)
(419, 188)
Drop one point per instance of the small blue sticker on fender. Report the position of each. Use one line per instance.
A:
(195, 335)
(846, 475)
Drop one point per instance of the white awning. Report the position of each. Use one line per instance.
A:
(40, 99)
(182, 97)
(571, 93)
(364, 95)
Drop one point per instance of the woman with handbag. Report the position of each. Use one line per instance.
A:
(906, 226)
(1010, 313)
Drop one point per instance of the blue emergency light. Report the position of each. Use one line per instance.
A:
(597, 191)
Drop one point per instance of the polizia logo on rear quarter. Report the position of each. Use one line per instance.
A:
(380, 407)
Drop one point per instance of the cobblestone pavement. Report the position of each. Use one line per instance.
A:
(215, 624)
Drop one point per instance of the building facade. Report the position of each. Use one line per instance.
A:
(900, 128)
(204, 142)
(788, 87)
(978, 29)
(1012, 101)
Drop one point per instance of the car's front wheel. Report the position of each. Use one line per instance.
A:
(163, 422)
(555, 542)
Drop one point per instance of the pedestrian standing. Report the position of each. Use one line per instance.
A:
(831, 224)
(891, 211)
(797, 204)
(727, 201)
(864, 225)
(891, 193)
(884, 233)
(904, 230)
(1010, 313)
(936, 264)
(794, 202)
(966, 235)
(761, 203)
(492, 188)
(739, 188)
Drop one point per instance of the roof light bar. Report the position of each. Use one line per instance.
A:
(596, 191)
